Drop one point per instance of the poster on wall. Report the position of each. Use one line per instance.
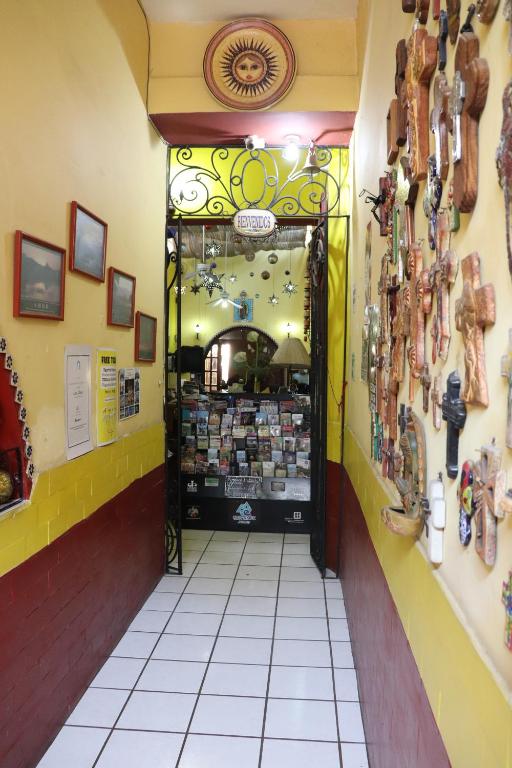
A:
(129, 392)
(77, 398)
(106, 403)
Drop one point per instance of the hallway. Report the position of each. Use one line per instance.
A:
(245, 660)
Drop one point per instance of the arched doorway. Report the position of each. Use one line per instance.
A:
(238, 359)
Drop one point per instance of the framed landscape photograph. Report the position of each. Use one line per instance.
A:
(87, 243)
(39, 270)
(145, 338)
(121, 298)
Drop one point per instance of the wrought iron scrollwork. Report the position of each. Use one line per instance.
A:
(219, 181)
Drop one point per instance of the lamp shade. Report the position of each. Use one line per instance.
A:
(290, 352)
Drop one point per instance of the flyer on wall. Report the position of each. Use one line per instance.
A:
(106, 404)
(77, 367)
(129, 392)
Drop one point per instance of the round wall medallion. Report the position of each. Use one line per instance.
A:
(249, 64)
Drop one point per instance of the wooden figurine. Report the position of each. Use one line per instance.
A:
(418, 299)
(486, 10)
(453, 10)
(426, 383)
(454, 413)
(504, 163)
(506, 597)
(488, 481)
(409, 519)
(421, 63)
(506, 372)
(438, 125)
(474, 311)
(442, 275)
(468, 97)
(465, 493)
(436, 395)
(422, 9)
(441, 41)
(436, 9)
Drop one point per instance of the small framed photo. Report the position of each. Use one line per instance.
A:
(87, 243)
(121, 298)
(145, 338)
(39, 271)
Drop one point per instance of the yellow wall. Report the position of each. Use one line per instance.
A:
(74, 127)
(461, 683)
(326, 67)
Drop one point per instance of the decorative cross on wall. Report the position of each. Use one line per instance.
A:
(454, 413)
(453, 10)
(436, 395)
(474, 311)
(488, 491)
(441, 40)
(421, 63)
(438, 125)
(442, 275)
(419, 304)
(504, 163)
(486, 10)
(506, 597)
(506, 372)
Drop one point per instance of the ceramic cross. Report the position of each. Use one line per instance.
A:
(507, 13)
(421, 63)
(436, 9)
(469, 94)
(438, 125)
(426, 383)
(506, 372)
(465, 493)
(419, 305)
(436, 395)
(504, 164)
(432, 200)
(506, 596)
(474, 311)
(453, 10)
(489, 490)
(486, 10)
(442, 275)
(441, 40)
(454, 413)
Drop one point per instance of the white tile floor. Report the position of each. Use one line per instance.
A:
(244, 661)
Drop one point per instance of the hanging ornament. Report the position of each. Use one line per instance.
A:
(251, 274)
(177, 290)
(256, 295)
(232, 278)
(273, 300)
(243, 294)
(250, 256)
(195, 288)
(211, 281)
(212, 251)
(265, 274)
(289, 288)
(287, 272)
(273, 258)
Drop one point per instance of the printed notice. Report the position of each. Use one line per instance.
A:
(77, 367)
(106, 408)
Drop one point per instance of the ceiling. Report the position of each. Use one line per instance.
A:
(288, 237)
(226, 10)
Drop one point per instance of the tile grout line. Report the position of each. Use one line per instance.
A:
(112, 729)
(187, 732)
(333, 679)
(265, 706)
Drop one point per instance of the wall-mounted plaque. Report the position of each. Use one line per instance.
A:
(249, 64)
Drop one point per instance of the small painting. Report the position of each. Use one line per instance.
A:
(88, 243)
(39, 269)
(121, 298)
(243, 310)
(145, 338)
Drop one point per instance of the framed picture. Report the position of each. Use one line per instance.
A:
(145, 338)
(121, 298)
(87, 243)
(39, 270)
(242, 312)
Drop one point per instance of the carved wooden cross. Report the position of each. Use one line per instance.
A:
(506, 597)
(504, 163)
(441, 40)
(442, 275)
(408, 6)
(474, 311)
(438, 125)
(426, 383)
(432, 200)
(400, 331)
(388, 459)
(453, 211)
(436, 9)
(419, 299)
(506, 372)
(469, 94)
(489, 490)
(453, 9)
(486, 10)
(454, 413)
(421, 63)
(392, 408)
(401, 91)
(436, 395)
(422, 9)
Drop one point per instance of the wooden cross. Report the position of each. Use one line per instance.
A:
(421, 63)
(388, 459)
(438, 125)
(488, 482)
(469, 95)
(506, 597)
(408, 6)
(436, 9)
(432, 200)
(506, 372)
(441, 40)
(453, 9)
(426, 383)
(453, 211)
(507, 13)
(442, 275)
(418, 300)
(422, 9)
(392, 408)
(397, 114)
(436, 395)
(474, 311)
(486, 10)
(454, 413)
(504, 163)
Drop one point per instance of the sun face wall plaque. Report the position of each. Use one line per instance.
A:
(249, 64)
